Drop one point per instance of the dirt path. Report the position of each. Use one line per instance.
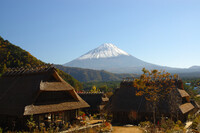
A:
(122, 129)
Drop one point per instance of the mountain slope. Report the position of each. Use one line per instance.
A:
(85, 75)
(110, 58)
(13, 56)
(197, 68)
(106, 50)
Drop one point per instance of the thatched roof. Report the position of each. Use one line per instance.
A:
(183, 93)
(33, 109)
(95, 100)
(186, 107)
(26, 91)
(55, 86)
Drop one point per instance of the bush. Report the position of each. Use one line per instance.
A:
(81, 113)
(95, 116)
(31, 123)
(106, 127)
(167, 124)
(196, 123)
(170, 123)
(147, 126)
(108, 117)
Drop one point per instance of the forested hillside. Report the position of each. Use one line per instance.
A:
(13, 56)
(85, 75)
(72, 81)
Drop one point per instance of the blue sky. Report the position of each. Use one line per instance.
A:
(163, 32)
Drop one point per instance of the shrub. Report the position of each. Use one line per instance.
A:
(106, 127)
(147, 126)
(108, 117)
(31, 123)
(81, 113)
(196, 123)
(95, 116)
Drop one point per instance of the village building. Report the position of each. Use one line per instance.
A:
(97, 101)
(126, 107)
(40, 92)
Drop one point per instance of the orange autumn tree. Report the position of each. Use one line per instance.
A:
(154, 85)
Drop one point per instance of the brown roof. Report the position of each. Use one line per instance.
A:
(55, 86)
(183, 93)
(94, 99)
(186, 107)
(70, 105)
(29, 90)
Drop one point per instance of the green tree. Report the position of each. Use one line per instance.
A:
(103, 88)
(3, 68)
(31, 123)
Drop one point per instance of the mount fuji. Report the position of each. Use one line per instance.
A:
(110, 58)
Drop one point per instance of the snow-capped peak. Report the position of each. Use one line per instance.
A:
(106, 50)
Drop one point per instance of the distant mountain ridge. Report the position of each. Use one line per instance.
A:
(194, 68)
(89, 75)
(110, 58)
(85, 75)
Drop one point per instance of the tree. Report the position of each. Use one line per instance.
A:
(154, 85)
(31, 123)
(94, 89)
(3, 68)
(103, 88)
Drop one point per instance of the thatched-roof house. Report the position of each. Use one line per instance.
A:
(126, 107)
(97, 101)
(40, 92)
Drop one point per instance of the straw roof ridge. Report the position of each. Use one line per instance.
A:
(90, 93)
(28, 70)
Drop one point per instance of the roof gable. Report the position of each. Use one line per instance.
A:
(186, 107)
(183, 93)
(22, 86)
